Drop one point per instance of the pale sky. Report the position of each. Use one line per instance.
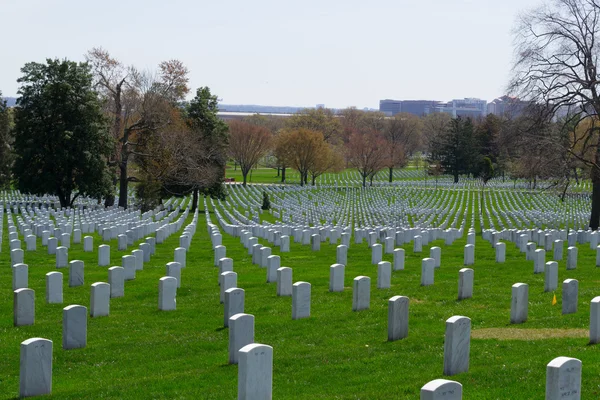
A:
(277, 52)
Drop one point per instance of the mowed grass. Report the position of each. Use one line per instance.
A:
(139, 352)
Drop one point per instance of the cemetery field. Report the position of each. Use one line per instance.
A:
(269, 175)
(139, 352)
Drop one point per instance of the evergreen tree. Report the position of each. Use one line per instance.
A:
(455, 148)
(61, 137)
(266, 204)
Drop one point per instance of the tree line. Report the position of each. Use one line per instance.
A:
(80, 129)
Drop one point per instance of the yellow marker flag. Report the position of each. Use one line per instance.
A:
(554, 300)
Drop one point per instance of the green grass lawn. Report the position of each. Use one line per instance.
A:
(139, 352)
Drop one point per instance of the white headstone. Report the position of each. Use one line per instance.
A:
(336, 277)
(74, 327)
(595, 320)
(384, 275)
(255, 372)
(563, 379)
(103, 255)
(441, 389)
(174, 270)
(457, 344)
(24, 307)
(20, 276)
(116, 280)
(465, 283)
(342, 254)
(301, 300)
(241, 333)
(54, 287)
(570, 296)
(398, 259)
(427, 270)
(100, 300)
(234, 303)
(167, 293)
(436, 254)
(519, 303)
(551, 276)
(35, 375)
(76, 274)
(273, 264)
(397, 318)
(284, 281)
(361, 293)
(572, 257)
(469, 255)
(88, 244)
(227, 280)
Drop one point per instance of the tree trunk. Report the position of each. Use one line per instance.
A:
(123, 183)
(456, 177)
(244, 177)
(282, 174)
(64, 200)
(278, 171)
(576, 176)
(314, 178)
(595, 214)
(391, 174)
(564, 192)
(195, 200)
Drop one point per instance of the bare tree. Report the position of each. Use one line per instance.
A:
(556, 66)
(248, 143)
(402, 134)
(366, 151)
(138, 102)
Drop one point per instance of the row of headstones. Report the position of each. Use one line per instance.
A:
(36, 353)
(24, 300)
(136, 233)
(255, 360)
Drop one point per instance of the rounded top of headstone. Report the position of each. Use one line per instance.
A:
(255, 347)
(441, 383)
(559, 362)
(73, 306)
(34, 340)
(241, 316)
(516, 285)
(457, 318)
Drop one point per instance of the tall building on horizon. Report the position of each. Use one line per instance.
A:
(416, 107)
(467, 107)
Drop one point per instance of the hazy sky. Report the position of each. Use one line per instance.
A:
(278, 52)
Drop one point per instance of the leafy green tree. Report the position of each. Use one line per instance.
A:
(6, 140)
(209, 134)
(455, 148)
(61, 137)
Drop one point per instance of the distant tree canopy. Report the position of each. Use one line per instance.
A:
(61, 137)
